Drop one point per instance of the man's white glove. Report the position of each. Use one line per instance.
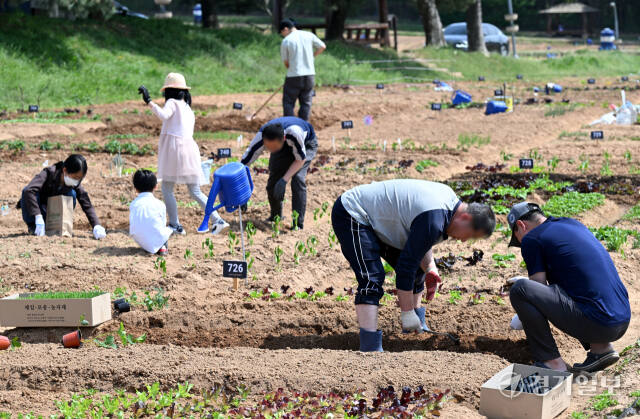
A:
(516, 324)
(99, 232)
(39, 225)
(410, 321)
(515, 279)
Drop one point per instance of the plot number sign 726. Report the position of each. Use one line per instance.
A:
(347, 124)
(234, 269)
(597, 135)
(526, 163)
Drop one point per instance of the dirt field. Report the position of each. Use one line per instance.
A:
(211, 334)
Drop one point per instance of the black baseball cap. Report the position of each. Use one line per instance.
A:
(287, 23)
(517, 212)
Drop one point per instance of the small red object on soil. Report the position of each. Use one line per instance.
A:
(5, 343)
(72, 340)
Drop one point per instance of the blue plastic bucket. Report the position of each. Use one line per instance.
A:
(460, 97)
(495, 106)
(233, 183)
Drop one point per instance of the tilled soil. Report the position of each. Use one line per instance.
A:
(211, 334)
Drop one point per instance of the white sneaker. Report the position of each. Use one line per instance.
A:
(178, 229)
(219, 226)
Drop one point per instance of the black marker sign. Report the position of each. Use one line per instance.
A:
(625, 78)
(481, 78)
(237, 105)
(597, 135)
(519, 77)
(591, 81)
(347, 124)
(234, 269)
(380, 86)
(436, 106)
(526, 163)
(498, 92)
(33, 108)
(224, 153)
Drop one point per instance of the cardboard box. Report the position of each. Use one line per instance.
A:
(16, 311)
(497, 400)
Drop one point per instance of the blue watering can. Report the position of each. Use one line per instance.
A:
(460, 97)
(234, 185)
(495, 106)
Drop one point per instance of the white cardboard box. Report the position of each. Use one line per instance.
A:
(498, 402)
(17, 312)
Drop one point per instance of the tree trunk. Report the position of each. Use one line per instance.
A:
(431, 23)
(475, 36)
(277, 15)
(335, 18)
(209, 15)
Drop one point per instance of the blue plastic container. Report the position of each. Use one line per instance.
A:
(607, 39)
(197, 13)
(233, 183)
(460, 97)
(495, 106)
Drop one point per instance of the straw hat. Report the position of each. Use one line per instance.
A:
(175, 81)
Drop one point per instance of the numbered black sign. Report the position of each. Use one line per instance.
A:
(597, 135)
(481, 78)
(347, 124)
(519, 77)
(591, 81)
(436, 106)
(498, 92)
(33, 108)
(234, 269)
(237, 106)
(380, 86)
(224, 153)
(526, 163)
(625, 78)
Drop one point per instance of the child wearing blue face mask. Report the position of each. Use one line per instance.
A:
(63, 178)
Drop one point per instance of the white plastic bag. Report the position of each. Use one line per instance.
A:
(206, 170)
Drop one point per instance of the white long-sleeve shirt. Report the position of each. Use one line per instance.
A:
(177, 118)
(148, 222)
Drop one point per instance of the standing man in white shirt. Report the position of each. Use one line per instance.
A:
(298, 51)
(148, 215)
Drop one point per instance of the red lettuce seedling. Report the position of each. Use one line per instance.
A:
(284, 288)
(329, 291)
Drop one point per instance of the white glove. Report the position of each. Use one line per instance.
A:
(99, 232)
(515, 279)
(516, 324)
(39, 225)
(410, 321)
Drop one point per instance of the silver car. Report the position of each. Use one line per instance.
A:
(455, 35)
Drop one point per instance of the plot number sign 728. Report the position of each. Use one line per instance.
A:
(526, 163)
(234, 269)
(597, 135)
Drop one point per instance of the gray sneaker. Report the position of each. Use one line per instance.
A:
(178, 229)
(219, 226)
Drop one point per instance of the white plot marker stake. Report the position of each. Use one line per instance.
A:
(384, 146)
(333, 143)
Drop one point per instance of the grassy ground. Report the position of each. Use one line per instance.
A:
(63, 63)
(582, 63)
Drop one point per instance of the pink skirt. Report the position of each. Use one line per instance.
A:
(179, 160)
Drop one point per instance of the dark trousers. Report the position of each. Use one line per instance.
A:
(298, 88)
(29, 219)
(279, 163)
(538, 304)
(363, 250)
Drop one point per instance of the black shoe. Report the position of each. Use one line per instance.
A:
(270, 219)
(32, 229)
(596, 362)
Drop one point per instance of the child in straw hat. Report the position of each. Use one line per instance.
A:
(178, 154)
